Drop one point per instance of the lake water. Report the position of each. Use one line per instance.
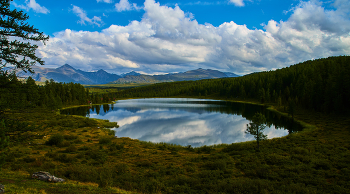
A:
(186, 121)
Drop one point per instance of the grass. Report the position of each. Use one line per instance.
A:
(21, 182)
(316, 160)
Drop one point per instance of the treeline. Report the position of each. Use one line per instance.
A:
(320, 85)
(21, 94)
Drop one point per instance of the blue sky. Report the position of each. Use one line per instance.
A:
(165, 36)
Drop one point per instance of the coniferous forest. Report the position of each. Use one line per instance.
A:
(322, 85)
(52, 95)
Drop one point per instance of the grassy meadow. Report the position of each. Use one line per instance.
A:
(85, 153)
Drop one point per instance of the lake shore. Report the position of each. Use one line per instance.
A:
(315, 160)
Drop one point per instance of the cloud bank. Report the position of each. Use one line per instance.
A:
(169, 40)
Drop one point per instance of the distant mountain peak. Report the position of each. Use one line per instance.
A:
(67, 73)
(66, 66)
(130, 73)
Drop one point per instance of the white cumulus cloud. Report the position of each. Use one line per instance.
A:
(167, 39)
(32, 4)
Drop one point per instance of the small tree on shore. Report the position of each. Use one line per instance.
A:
(256, 127)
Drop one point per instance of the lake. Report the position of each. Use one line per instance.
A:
(186, 121)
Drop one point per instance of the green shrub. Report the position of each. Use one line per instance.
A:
(99, 157)
(70, 137)
(216, 165)
(300, 150)
(64, 144)
(106, 177)
(71, 148)
(204, 149)
(82, 172)
(51, 154)
(105, 140)
(114, 147)
(56, 139)
(321, 164)
(78, 141)
(65, 158)
(16, 166)
(121, 168)
(28, 159)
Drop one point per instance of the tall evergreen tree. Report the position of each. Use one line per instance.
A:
(19, 52)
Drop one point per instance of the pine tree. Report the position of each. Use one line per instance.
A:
(257, 127)
(19, 52)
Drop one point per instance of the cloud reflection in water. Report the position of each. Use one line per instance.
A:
(180, 123)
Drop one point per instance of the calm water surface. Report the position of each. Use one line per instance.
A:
(185, 121)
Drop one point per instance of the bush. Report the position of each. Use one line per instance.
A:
(216, 165)
(70, 137)
(106, 177)
(84, 173)
(98, 156)
(115, 147)
(121, 168)
(71, 148)
(28, 159)
(204, 149)
(105, 140)
(65, 158)
(78, 141)
(55, 140)
(64, 144)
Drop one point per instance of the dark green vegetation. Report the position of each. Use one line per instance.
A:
(316, 160)
(77, 148)
(19, 182)
(321, 85)
(18, 94)
(111, 88)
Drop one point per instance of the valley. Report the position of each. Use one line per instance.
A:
(91, 158)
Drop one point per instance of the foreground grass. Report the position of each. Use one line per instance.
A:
(316, 160)
(20, 182)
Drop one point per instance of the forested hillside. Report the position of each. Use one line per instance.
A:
(25, 94)
(321, 85)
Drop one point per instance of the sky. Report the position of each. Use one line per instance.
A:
(169, 36)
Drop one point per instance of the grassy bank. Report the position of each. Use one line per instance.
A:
(314, 161)
(20, 182)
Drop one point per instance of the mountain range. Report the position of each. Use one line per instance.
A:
(67, 73)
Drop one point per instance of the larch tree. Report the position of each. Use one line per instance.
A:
(256, 127)
(17, 50)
